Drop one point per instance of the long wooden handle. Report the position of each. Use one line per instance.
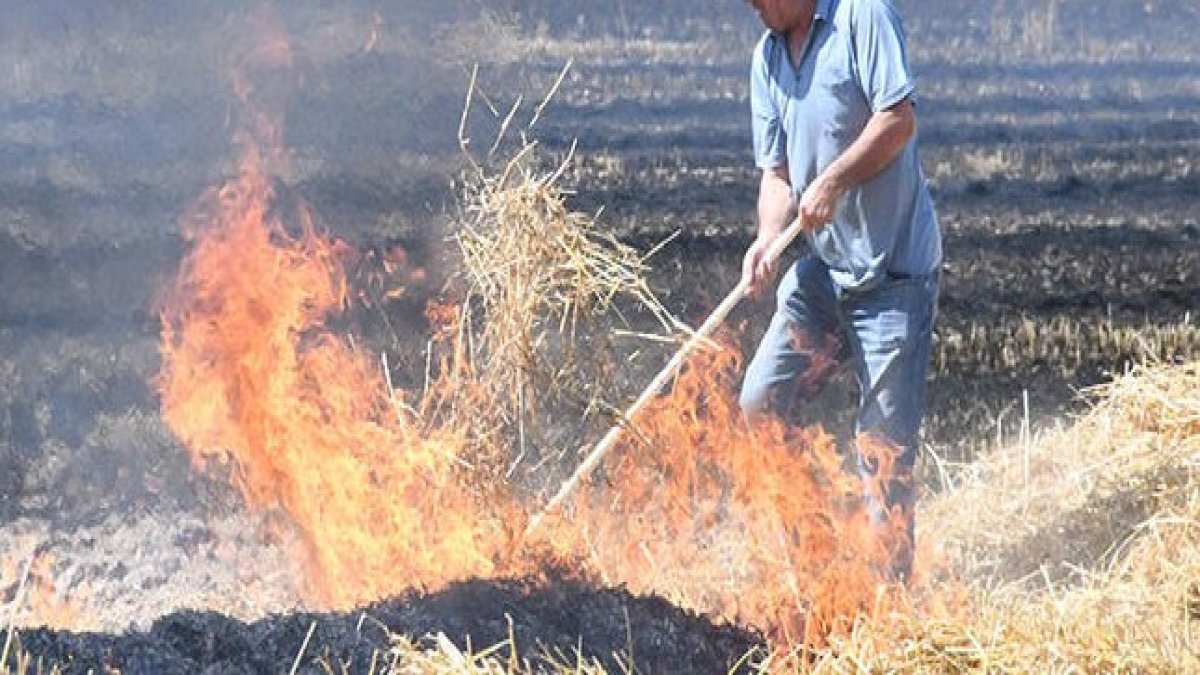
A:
(702, 333)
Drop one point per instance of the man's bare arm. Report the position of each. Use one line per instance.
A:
(886, 134)
(775, 202)
(775, 210)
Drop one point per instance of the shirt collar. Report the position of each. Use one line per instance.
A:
(824, 10)
(823, 14)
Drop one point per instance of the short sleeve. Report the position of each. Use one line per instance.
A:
(881, 54)
(770, 141)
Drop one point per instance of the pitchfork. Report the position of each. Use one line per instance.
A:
(702, 333)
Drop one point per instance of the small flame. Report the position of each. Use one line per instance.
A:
(38, 597)
(373, 37)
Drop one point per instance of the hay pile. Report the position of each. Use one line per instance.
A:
(1073, 497)
(1079, 551)
(537, 271)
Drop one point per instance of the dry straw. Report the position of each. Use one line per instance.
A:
(536, 272)
(1064, 342)
(439, 655)
(1093, 565)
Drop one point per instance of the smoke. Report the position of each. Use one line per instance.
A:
(141, 91)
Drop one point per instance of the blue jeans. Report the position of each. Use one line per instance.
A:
(886, 332)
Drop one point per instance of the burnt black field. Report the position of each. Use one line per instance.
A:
(1061, 140)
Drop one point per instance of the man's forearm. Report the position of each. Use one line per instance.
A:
(886, 134)
(775, 203)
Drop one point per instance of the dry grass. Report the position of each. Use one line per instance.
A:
(1078, 551)
(537, 269)
(438, 655)
(16, 661)
(1060, 501)
(23, 663)
(1064, 343)
(537, 274)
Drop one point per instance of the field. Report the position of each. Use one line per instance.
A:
(1061, 139)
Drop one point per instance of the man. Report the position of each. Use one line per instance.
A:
(834, 134)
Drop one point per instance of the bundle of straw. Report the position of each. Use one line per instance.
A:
(543, 285)
(536, 270)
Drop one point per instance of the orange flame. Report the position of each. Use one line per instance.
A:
(38, 596)
(372, 40)
(760, 524)
(251, 375)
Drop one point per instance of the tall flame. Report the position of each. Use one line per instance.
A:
(251, 375)
(755, 523)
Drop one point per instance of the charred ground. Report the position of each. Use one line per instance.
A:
(1061, 139)
(537, 623)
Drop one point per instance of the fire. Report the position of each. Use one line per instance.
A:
(752, 522)
(756, 523)
(372, 40)
(252, 377)
(38, 598)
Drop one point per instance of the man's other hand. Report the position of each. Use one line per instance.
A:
(757, 270)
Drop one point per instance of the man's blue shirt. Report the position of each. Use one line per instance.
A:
(806, 115)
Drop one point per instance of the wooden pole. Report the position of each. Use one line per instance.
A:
(702, 333)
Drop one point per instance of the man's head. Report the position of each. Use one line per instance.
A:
(782, 16)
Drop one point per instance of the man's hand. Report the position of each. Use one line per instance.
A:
(757, 271)
(774, 213)
(819, 202)
(886, 134)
